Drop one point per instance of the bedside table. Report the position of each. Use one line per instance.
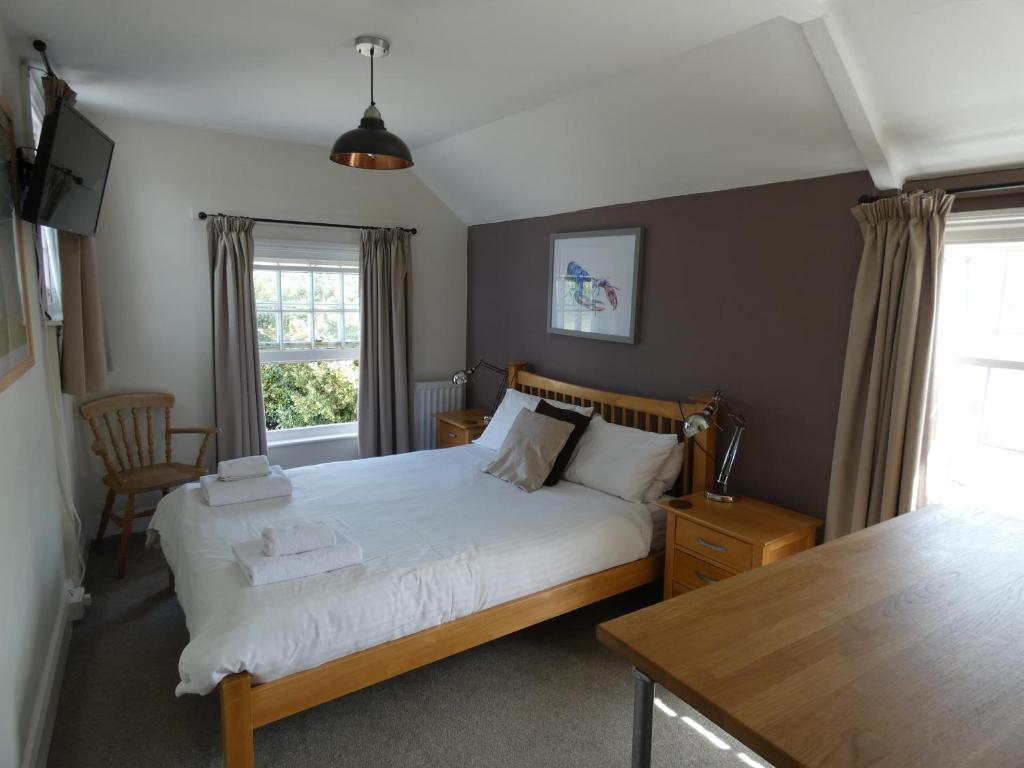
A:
(712, 541)
(459, 427)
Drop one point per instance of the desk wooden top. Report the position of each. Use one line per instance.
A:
(901, 645)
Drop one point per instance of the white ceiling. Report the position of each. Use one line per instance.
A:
(537, 106)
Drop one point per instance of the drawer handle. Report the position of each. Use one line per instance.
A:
(714, 547)
(706, 579)
(451, 435)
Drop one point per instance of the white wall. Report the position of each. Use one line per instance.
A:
(31, 545)
(154, 264)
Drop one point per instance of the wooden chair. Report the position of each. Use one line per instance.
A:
(119, 425)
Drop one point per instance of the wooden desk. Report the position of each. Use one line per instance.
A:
(901, 645)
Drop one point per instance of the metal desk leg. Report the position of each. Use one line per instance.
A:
(643, 717)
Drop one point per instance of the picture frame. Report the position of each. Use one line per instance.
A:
(16, 356)
(594, 284)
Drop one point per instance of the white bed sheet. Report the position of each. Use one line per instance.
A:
(441, 539)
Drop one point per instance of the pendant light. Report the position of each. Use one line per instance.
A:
(371, 145)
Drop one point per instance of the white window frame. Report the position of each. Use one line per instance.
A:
(50, 290)
(969, 228)
(306, 256)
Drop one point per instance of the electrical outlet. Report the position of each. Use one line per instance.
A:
(78, 600)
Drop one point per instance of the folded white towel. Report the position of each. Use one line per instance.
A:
(260, 569)
(219, 492)
(295, 538)
(244, 468)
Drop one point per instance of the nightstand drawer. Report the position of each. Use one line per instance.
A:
(715, 546)
(447, 436)
(695, 573)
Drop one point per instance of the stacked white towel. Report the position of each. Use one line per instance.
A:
(244, 468)
(259, 569)
(296, 538)
(219, 492)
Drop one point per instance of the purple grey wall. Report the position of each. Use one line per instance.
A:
(746, 290)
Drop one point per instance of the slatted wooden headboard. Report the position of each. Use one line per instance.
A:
(662, 416)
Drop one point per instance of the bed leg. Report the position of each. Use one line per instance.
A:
(236, 721)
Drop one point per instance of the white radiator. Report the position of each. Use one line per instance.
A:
(432, 397)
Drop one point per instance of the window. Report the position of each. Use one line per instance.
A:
(977, 450)
(49, 263)
(307, 317)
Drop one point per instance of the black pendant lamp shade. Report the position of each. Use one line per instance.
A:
(371, 145)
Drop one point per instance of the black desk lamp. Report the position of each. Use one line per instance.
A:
(464, 376)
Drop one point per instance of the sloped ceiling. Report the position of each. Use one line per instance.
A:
(536, 107)
(750, 109)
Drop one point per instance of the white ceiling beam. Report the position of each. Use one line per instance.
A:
(802, 11)
(849, 92)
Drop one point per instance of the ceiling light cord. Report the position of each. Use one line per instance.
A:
(372, 102)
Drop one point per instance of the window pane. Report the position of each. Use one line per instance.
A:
(296, 330)
(264, 284)
(1003, 420)
(351, 289)
(351, 330)
(328, 328)
(295, 289)
(266, 325)
(309, 394)
(327, 288)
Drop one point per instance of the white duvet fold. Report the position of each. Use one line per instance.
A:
(441, 539)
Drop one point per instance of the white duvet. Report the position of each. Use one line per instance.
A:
(441, 540)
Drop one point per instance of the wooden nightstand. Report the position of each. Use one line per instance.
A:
(459, 427)
(712, 541)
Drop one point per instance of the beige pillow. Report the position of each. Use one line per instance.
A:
(529, 450)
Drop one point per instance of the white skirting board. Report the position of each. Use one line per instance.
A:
(432, 397)
(44, 710)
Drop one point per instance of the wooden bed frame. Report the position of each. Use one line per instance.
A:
(246, 706)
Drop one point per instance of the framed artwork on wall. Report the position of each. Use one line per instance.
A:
(15, 324)
(594, 284)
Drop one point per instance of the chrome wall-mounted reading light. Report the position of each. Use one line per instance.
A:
(704, 419)
(371, 145)
(464, 376)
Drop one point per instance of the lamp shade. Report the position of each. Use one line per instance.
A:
(371, 146)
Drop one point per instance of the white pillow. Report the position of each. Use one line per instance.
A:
(513, 402)
(666, 477)
(618, 460)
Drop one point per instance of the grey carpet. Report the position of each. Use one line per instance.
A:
(547, 696)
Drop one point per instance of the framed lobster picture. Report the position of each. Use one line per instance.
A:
(594, 284)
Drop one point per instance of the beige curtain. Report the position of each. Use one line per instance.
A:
(384, 421)
(238, 392)
(880, 435)
(84, 361)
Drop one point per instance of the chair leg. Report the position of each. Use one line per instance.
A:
(126, 535)
(108, 505)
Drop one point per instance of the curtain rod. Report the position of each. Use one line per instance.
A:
(954, 191)
(412, 231)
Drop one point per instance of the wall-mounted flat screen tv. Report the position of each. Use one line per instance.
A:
(69, 175)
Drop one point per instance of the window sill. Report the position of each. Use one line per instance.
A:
(309, 440)
(327, 433)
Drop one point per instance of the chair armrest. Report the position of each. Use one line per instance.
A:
(206, 432)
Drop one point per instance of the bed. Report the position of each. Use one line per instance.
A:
(453, 558)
